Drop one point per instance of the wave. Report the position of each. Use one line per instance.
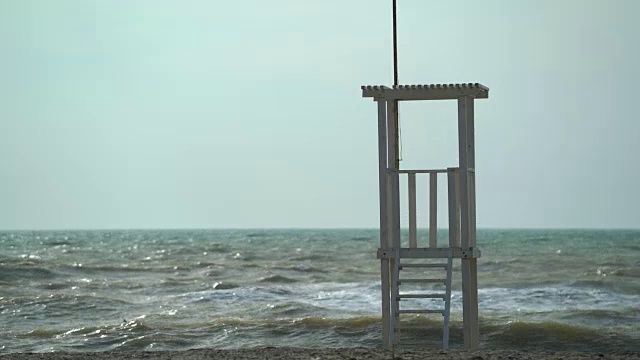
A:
(63, 303)
(126, 267)
(306, 322)
(558, 336)
(630, 247)
(363, 330)
(224, 285)
(217, 248)
(628, 271)
(628, 317)
(155, 342)
(15, 273)
(135, 326)
(300, 268)
(170, 281)
(320, 258)
(258, 235)
(54, 243)
(277, 279)
(360, 238)
(604, 284)
(537, 239)
(359, 322)
(292, 308)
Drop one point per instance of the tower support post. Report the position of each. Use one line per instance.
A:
(467, 224)
(384, 227)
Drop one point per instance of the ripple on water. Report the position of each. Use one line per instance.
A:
(277, 279)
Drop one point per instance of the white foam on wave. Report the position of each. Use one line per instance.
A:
(347, 299)
(365, 298)
(548, 299)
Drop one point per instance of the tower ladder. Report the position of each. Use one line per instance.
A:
(399, 297)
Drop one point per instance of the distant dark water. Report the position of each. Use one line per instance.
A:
(180, 289)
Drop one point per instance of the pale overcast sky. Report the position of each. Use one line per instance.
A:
(217, 114)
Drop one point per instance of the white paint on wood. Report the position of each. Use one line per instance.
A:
(463, 174)
(394, 225)
(456, 185)
(474, 325)
(433, 210)
(436, 171)
(426, 92)
(447, 303)
(429, 253)
(473, 340)
(472, 209)
(466, 305)
(386, 308)
(413, 227)
(389, 211)
(394, 219)
(464, 217)
(384, 233)
(471, 158)
(454, 214)
(471, 330)
(395, 314)
(382, 175)
(468, 266)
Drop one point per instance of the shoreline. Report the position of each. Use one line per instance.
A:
(324, 353)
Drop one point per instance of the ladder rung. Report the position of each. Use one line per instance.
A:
(421, 311)
(417, 281)
(444, 266)
(422, 296)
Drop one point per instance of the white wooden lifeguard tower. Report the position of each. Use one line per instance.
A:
(406, 256)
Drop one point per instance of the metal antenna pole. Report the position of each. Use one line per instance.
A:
(395, 45)
(395, 83)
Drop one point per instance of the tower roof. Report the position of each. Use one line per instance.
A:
(426, 92)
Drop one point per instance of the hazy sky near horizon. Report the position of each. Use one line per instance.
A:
(201, 114)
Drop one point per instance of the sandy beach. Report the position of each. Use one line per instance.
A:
(329, 354)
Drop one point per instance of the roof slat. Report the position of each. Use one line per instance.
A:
(426, 91)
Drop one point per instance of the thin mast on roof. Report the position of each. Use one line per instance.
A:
(396, 116)
(395, 46)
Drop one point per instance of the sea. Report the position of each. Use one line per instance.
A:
(155, 290)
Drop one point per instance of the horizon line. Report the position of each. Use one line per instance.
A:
(310, 228)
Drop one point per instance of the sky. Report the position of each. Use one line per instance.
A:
(248, 114)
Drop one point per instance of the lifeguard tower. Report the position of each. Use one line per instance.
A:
(404, 262)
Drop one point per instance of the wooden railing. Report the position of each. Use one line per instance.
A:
(453, 187)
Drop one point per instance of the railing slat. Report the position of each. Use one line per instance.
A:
(454, 220)
(413, 240)
(433, 210)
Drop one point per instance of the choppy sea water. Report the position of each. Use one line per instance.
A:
(182, 289)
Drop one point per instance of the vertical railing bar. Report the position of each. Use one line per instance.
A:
(413, 226)
(451, 187)
(456, 177)
(433, 210)
(389, 210)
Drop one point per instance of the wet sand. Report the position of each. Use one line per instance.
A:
(329, 354)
